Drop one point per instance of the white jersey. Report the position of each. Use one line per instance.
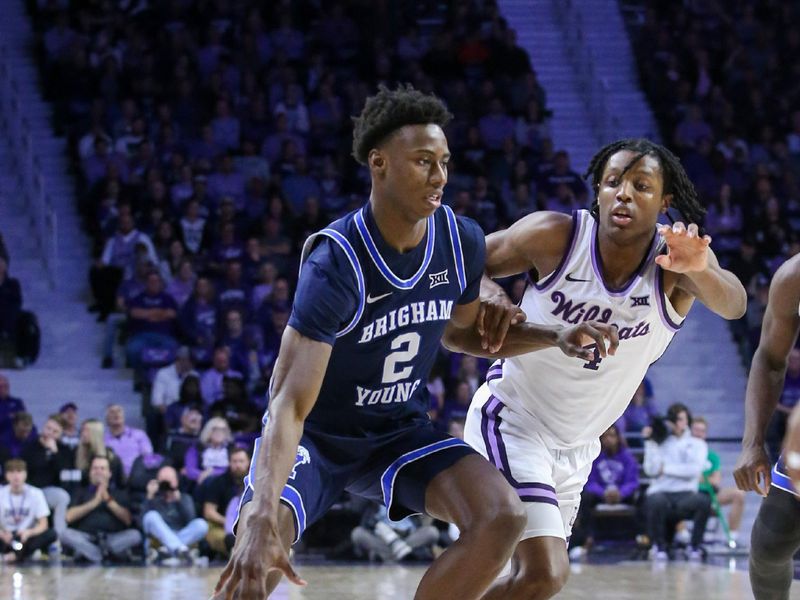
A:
(568, 401)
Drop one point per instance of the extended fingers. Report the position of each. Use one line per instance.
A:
(286, 568)
(596, 335)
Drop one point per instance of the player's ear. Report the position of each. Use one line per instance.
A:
(376, 161)
(666, 201)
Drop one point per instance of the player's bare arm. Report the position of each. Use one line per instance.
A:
(298, 377)
(693, 271)
(535, 242)
(767, 372)
(461, 335)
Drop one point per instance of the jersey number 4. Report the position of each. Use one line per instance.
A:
(406, 348)
(593, 364)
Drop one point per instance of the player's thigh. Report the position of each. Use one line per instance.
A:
(469, 492)
(521, 455)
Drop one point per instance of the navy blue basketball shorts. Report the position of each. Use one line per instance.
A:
(395, 472)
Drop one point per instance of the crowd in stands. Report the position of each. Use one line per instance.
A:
(100, 493)
(722, 80)
(210, 138)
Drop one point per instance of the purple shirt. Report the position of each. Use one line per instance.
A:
(130, 444)
(620, 470)
(211, 384)
(145, 300)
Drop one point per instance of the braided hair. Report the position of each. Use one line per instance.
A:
(389, 110)
(676, 181)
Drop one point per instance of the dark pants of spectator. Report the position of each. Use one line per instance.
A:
(664, 509)
(147, 339)
(584, 526)
(93, 547)
(37, 542)
(774, 540)
(104, 281)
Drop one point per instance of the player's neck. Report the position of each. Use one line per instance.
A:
(619, 260)
(396, 229)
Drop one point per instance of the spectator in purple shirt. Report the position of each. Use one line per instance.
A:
(198, 317)
(118, 261)
(640, 411)
(614, 480)
(496, 126)
(225, 127)
(127, 442)
(9, 406)
(227, 182)
(692, 129)
(210, 456)
(152, 316)
(211, 382)
(234, 293)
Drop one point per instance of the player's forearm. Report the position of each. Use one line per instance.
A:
(763, 392)
(276, 456)
(520, 339)
(721, 291)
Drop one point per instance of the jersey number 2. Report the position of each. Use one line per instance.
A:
(593, 364)
(406, 347)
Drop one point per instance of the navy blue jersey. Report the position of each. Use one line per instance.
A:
(384, 313)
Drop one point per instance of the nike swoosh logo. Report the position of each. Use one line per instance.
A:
(371, 299)
(569, 277)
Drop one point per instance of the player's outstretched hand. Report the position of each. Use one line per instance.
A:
(752, 471)
(687, 252)
(581, 340)
(496, 314)
(257, 552)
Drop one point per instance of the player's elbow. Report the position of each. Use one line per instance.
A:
(453, 339)
(737, 306)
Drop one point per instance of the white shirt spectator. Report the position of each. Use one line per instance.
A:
(21, 511)
(167, 385)
(676, 465)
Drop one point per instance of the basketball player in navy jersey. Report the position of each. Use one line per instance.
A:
(377, 291)
(776, 532)
(538, 417)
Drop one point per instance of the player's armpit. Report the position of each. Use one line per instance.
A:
(537, 241)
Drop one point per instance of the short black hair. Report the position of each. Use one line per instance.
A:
(676, 181)
(389, 110)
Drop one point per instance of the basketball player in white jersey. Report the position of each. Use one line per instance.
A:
(775, 537)
(539, 416)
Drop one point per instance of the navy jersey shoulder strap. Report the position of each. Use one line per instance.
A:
(352, 257)
(455, 241)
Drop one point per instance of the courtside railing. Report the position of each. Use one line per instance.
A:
(28, 166)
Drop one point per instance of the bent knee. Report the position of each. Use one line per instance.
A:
(505, 519)
(510, 517)
(544, 580)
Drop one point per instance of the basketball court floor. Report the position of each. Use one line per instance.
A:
(620, 581)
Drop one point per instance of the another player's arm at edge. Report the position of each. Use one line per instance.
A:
(767, 372)
(535, 242)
